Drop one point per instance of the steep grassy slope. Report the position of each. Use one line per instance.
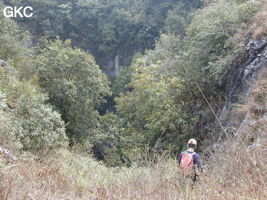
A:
(237, 170)
(46, 168)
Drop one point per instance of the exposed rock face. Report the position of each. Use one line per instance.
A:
(243, 77)
(240, 86)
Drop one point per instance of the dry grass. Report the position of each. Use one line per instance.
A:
(75, 177)
(236, 171)
(239, 169)
(258, 26)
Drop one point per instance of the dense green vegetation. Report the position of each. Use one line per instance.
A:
(60, 96)
(75, 85)
(164, 106)
(108, 28)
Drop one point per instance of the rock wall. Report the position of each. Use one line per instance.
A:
(241, 80)
(247, 74)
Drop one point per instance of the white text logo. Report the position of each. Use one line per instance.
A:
(13, 12)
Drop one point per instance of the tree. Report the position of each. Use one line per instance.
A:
(149, 112)
(75, 85)
(106, 28)
(164, 106)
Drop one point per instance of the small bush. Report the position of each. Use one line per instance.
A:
(41, 127)
(26, 119)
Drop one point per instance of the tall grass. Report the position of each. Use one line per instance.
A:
(50, 179)
(233, 173)
(237, 170)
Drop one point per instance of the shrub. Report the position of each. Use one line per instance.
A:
(27, 121)
(41, 127)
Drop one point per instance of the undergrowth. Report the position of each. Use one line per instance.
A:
(237, 170)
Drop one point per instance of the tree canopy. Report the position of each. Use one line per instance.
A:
(75, 85)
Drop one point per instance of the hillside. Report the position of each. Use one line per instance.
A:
(113, 31)
(98, 98)
(236, 170)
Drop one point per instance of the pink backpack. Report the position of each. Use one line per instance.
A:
(187, 161)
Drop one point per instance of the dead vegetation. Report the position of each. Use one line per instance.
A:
(258, 25)
(237, 170)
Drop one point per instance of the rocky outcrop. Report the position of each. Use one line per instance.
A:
(247, 74)
(243, 77)
(242, 81)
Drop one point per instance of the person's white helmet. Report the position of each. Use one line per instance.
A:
(192, 141)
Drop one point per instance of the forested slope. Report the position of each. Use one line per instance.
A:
(76, 133)
(107, 29)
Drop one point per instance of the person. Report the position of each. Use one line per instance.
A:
(188, 160)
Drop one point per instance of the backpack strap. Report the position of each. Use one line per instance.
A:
(192, 153)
